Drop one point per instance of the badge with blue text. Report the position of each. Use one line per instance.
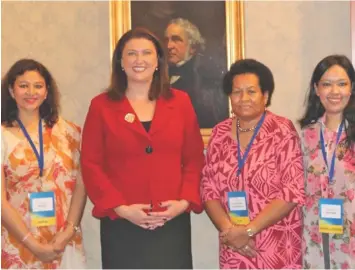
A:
(42, 208)
(331, 216)
(238, 207)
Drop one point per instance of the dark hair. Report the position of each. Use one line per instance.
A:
(244, 66)
(160, 84)
(315, 108)
(49, 109)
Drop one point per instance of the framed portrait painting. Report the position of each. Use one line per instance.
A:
(202, 39)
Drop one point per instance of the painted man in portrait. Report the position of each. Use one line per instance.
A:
(192, 72)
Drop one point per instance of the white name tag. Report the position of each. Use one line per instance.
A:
(237, 204)
(331, 211)
(42, 204)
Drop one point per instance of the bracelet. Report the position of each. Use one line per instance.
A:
(25, 237)
(76, 228)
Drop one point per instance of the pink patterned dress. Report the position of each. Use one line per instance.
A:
(273, 170)
(341, 247)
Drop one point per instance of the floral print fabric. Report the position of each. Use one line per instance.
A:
(61, 170)
(341, 247)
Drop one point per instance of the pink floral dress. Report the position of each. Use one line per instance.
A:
(341, 247)
(273, 170)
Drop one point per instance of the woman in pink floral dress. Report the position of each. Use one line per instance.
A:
(43, 196)
(330, 114)
(252, 185)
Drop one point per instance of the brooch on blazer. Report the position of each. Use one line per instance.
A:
(129, 117)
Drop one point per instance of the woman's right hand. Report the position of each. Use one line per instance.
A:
(135, 214)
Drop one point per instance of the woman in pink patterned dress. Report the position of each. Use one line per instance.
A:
(40, 174)
(330, 114)
(255, 153)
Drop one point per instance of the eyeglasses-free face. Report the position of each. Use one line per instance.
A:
(29, 91)
(334, 90)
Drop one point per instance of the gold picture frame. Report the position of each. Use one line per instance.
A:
(120, 22)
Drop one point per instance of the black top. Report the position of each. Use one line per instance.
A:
(146, 125)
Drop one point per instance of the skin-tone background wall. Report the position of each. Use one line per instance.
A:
(72, 40)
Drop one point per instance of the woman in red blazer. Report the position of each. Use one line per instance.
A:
(142, 155)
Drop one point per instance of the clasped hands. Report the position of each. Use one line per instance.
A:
(236, 238)
(135, 213)
(53, 250)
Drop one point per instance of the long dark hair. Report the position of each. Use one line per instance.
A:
(160, 84)
(49, 109)
(315, 108)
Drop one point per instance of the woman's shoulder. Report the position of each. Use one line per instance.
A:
(179, 95)
(309, 130)
(100, 98)
(280, 121)
(67, 127)
(281, 126)
(222, 128)
(6, 134)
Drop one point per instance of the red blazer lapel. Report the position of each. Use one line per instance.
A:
(126, 117)
(162, 114)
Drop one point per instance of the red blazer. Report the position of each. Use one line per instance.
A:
(122, 164)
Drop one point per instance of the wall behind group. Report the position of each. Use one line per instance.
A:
(72, 40)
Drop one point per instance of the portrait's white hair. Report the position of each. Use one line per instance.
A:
(193, 33)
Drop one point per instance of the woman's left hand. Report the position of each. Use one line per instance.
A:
(61, 239)
(173, 209)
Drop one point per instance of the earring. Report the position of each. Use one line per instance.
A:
(156, 69)
(232, 114)
(122, 69)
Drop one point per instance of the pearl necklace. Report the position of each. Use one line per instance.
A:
(244, 129)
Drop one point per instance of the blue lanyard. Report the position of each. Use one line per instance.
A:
(40, 155)
(332, 164)
(242, 160)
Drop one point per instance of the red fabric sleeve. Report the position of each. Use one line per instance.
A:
(101, 192)
(192, 159)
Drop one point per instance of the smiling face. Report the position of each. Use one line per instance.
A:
(29, 91)
(334, 90)
(247, 99)
(139, 60)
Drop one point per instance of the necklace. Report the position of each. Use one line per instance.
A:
(244, 129)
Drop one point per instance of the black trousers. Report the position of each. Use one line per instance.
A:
(125, 245)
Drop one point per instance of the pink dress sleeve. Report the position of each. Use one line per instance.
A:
(290, 166)
(209, 189)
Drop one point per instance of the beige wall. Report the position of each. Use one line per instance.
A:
(291, 38)
(72, 39)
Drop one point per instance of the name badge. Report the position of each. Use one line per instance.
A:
(238, 208)
(42, 208)
(331, 216)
